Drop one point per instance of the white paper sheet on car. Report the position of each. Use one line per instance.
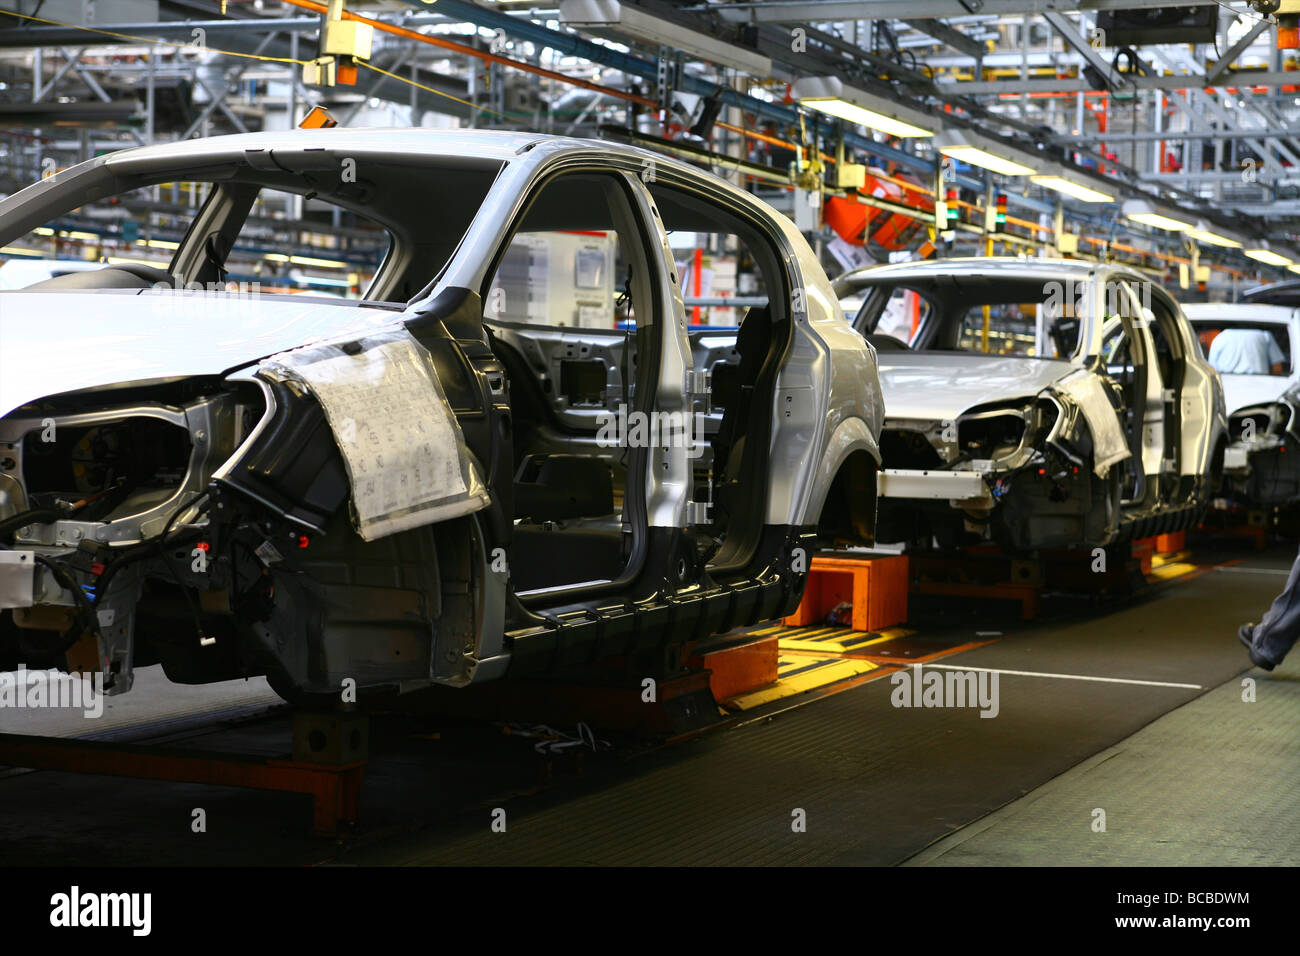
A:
(402, 446)
(1109, 444)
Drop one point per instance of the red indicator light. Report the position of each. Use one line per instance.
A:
(303, 541)
(203, 546)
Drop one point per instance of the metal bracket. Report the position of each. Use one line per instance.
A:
(700, 386)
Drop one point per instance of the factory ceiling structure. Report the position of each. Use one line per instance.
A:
(1064, 115)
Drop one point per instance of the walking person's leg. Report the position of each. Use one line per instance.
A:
(1276, 633)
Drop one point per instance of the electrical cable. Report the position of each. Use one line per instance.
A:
(86, 610)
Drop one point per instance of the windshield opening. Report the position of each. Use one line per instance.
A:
(349, 227)
(1013, 317)
(1246, 348)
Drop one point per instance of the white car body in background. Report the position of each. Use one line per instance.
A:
(1262, 464)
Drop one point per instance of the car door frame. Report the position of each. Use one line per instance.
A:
(657, 503)
(1149, 446)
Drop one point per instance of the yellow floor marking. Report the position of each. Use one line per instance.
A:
(1160, 560)
(810, 674)
(1176, 569)
(801, 639)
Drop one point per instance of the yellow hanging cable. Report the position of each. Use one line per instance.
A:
(430, 89)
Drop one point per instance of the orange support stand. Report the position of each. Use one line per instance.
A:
(876, 587)
(740, 668)
(335, 789)
(1144, 550)
(1171, 543)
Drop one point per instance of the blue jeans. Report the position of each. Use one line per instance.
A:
(1277, 631)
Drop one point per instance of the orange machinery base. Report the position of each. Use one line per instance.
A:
(875, 586)
(335, 789)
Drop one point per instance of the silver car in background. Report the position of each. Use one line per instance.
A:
(1036, 404)
(1254, 349)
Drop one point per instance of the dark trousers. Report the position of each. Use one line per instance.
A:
(1277, 631)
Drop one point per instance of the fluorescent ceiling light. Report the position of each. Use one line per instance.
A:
(609, 16)
(124, 261)
(977, 151)
(829, 95)
(1139, 210)
(1262, 252)
(1295, 269)
(1204, 232)
(1071, 187)
(305, 261)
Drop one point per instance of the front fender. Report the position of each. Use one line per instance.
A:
(851, 436)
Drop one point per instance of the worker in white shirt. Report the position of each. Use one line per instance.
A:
(1247, 352)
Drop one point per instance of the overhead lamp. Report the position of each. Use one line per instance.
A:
(1139, 210)
(830, 95)
(1203, 231)
(978, 151)
(604, 17)
(1263, 252)
(1071, 186)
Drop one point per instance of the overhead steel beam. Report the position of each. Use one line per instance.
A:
(246, 36)
(1070, 34)
(17, 37)
(1149, 136)
(32, 36)
(1212, 176)
(572, 45)
(1180, 102)
(812, 11)
(1230, 122)
(1079, 84)
(1213, 74)
(947, 35)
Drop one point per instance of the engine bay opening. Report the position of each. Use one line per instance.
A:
(106, 470)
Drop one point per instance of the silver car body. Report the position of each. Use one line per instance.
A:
(1041, 491)
(65, 353)
(1261, 463)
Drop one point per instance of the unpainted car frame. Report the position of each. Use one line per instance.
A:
(1262, 462)
(248, 466)
(1000, 449)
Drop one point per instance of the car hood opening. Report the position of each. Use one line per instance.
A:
(936, 386)
(65, 342)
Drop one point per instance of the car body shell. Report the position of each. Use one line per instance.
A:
(824, 408)
(928, 390)
(1263, 410)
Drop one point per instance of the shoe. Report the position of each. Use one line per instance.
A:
(1246, 634)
